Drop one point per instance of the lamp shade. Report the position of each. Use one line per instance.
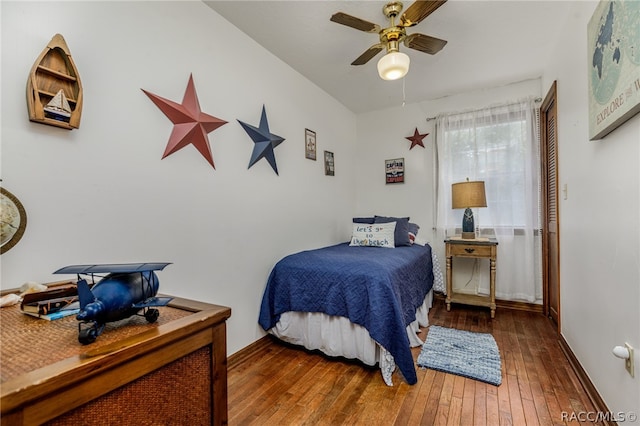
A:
(468, 194)
(393, 65)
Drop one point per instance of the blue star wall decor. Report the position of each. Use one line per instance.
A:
(264, 141)
(416, 139)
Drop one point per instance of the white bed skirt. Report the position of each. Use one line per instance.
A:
(337, 336)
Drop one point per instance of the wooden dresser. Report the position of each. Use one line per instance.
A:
(173, 371)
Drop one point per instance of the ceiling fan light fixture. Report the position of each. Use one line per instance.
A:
(393, 65)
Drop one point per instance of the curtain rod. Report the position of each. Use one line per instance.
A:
(480, 109)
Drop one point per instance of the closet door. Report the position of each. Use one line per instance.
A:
(550, 234)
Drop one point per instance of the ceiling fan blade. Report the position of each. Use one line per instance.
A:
(368, 54)
(419, 10)
(353, 22)
(424, 43)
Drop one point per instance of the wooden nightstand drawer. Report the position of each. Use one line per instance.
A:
(469, 250)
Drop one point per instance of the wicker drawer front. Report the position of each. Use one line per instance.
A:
(177, 394)
(469, 250)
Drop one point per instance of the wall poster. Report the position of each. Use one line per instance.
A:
(613, 49)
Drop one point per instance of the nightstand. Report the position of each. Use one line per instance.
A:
(479, 248)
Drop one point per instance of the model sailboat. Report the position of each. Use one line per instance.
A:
(58, 108)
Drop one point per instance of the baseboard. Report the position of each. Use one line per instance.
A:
(506, 304)
(521, 306)
(584, 380)
(247, 352)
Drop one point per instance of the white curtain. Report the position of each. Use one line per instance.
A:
(500, 146)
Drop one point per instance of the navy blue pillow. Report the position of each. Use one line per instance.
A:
(401, 235)
(413, 228)
(368, 220)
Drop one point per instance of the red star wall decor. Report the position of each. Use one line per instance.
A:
(416, 139)
(191, 125)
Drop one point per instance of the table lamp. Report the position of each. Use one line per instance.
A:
(465, 195)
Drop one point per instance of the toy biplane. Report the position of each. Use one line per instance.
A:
(126, 290)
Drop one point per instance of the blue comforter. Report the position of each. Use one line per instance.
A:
(377, 288)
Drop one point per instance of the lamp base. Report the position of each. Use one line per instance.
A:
(468, 226)
(468, 235)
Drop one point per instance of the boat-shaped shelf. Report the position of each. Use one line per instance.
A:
(54, 90)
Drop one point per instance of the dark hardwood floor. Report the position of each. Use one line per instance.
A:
(279, 384)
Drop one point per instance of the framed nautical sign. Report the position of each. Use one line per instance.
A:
(309, 144)
(613, 65)
(394, 170)
(329, 164)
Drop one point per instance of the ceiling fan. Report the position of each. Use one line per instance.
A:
(395, 64)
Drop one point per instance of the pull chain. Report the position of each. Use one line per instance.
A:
(403, 93)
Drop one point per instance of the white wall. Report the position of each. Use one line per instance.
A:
(102, 194)
(599, 231)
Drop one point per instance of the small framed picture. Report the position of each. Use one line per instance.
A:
(329, 167)
(394, 170)
(310, 144)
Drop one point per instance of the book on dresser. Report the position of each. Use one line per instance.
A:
(53, 303)
(49, 306)
(55, 315)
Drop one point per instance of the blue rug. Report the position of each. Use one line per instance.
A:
(467, 354)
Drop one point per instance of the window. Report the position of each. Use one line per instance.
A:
(499, 158)
(498, 145)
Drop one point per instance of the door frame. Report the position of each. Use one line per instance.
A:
(550, 100)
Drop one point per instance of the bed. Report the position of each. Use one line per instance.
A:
(354, 301)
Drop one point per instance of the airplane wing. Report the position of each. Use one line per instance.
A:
(153, 301)
(112, 268)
